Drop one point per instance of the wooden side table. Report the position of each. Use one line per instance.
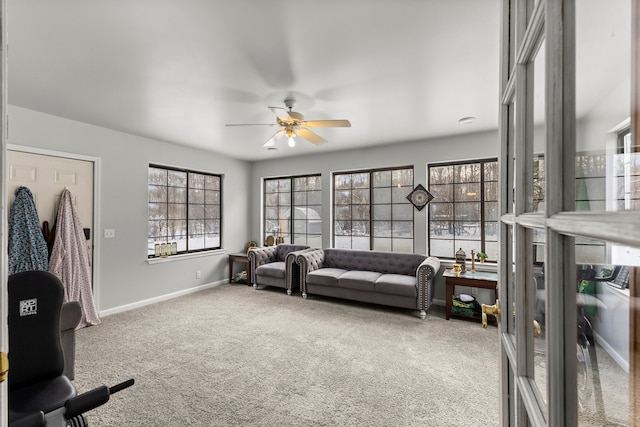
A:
(242, 258)
(477, 279)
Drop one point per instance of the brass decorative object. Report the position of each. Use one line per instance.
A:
(457, 270)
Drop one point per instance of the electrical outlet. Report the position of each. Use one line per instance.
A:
(109, 233)
(474, 291)
(198, 274)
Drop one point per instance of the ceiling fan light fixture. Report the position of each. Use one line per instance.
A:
(292, 142)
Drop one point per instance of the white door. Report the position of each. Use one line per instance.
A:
(570, 198)
(47, 176)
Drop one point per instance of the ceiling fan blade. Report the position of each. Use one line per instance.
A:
(280, 113)
(251, 124)
(327, 124)
(310, 136)
(276, 136)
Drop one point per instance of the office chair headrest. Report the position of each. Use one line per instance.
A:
(35, 352)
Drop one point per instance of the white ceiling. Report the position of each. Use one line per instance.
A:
(178, 71)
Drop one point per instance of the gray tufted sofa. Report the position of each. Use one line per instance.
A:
(275, 266)
(388, 278)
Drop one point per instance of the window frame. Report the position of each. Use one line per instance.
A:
(372, 203)
(482, 201)
(188, 207)
(291, 235)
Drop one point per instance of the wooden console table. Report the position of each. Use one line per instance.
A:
(477, 279)
(242, 258)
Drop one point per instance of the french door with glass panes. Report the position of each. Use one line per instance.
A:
(569, 273)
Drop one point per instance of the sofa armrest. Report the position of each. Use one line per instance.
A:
(309, 261)
(260, 256)
(425, 273)
(292, 274)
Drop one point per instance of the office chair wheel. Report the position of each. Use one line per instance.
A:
(77, 421)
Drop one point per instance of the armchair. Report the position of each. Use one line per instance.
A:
(276, 266)
(69, 320)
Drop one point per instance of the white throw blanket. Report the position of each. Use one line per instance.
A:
(70, 260)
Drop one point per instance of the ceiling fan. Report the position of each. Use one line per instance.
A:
(293, 124)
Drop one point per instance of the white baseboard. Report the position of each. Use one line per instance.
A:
(160, 298)
(439, 302)
(624, 364)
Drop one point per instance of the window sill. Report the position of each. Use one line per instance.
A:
(488, 266)
(179, 257)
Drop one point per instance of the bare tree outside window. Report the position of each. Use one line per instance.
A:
(464, 211)
(292, 209)
(371, 210)
(185, 209)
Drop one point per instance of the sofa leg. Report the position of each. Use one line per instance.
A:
(304, 295)
(289, 292)
(255, 286)
(423, 314)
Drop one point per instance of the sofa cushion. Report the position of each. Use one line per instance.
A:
(397, 284)
(272, 269)
(325, 276)
(359, 280)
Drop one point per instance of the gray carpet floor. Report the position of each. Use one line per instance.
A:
(235, 356)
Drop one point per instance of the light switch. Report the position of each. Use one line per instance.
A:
(109, 233)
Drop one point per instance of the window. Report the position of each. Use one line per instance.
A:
(300, 195)
(185, 209)
(371, 210)
(464, 211)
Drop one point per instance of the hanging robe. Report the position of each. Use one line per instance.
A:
(70, 260)
(27, 247)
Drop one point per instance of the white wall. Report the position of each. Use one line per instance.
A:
(125, 277)
(417, 154)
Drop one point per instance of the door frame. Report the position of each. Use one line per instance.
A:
(95, 264)
(523, 22)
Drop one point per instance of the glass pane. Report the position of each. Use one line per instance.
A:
(382, 212)
(539, 342)
(382, 179)
(157, 193)
(605, 274)
(403, 245)
(360, 180)
(467, 173)
(402, 212)
(539, 131)
(177, 178)
(271, 186)
(299, 198)
(382, 244)
(402, 177)
(382, 195)
(607, 161)
(342, 197)
(157, 176)
(177, 194)
(440, 175)
(196, 180)
(196, 195)
(212, 182)
(314, 197)
(441, 248)
(382, 228)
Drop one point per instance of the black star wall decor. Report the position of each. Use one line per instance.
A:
(420, 197)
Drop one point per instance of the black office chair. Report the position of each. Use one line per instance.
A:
(39, 393)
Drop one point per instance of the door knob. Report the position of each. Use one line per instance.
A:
(490, 309)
